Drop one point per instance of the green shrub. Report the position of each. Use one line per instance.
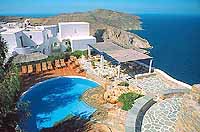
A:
(79, 53)
(57, 56)
(128, 99)
(93, 63)
(123, 84)
(9, 87)
(69, 49)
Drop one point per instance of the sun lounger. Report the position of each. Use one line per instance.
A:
(69, 61)
(38, 68)
(44, 66)
(30, 68)
(73, 58)
(77, 63)
(62, 63)
(49, 65)
(24, 69)
(80, 70)
(57, 64)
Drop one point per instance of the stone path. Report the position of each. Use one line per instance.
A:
(161, 117)
(152, 85)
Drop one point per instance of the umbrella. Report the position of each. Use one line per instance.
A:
(22, 58)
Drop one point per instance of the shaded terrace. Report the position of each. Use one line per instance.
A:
(120, 56)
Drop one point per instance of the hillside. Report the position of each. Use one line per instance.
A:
(104, 24)
(108, 17)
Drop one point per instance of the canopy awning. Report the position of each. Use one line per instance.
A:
(106, 46)
(118, 53)
(126, 55)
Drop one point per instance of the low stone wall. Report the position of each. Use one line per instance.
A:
(136, 114)
(189, 115)
(172, 92)
(140, 76)
(172, 79)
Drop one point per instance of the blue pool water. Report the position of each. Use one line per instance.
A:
(53, 100)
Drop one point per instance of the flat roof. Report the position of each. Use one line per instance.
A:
(81, 37)
(73, 23)
(46, 26)
(118, 53)
(106, 46)
(11, 30)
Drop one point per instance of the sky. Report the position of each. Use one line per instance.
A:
(25, 7)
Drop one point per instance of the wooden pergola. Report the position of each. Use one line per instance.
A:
(119, 54)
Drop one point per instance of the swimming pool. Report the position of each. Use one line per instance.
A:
(53, 100)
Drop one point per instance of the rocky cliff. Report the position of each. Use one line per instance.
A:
(189, 115)
(104, 24)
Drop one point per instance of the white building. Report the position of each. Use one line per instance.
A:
(22, 38)
(78, 33)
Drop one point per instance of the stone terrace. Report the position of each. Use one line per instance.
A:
(152, 85)
(162, 116)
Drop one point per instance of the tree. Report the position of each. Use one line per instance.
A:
(9, 89)
(3, 51)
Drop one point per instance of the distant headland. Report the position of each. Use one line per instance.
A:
(105, 24)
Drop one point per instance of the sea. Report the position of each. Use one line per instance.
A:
(176, 44)
(175, 40)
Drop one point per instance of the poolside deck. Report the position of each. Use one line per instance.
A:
(28, 80)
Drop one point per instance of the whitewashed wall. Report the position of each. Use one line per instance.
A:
(82, 44)
(68, 30)
(38, 37)
(53, 30)
(11, 41)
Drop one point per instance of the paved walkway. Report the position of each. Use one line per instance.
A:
(152, 85)
(161, 117)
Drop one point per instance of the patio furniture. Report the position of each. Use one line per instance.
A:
(57, 64)
(30, 69)
(44, 66)
(24, 69)
(77, 63)
(69, 61)
(80, 70)
(38, 68)
(49, 65)
(62, 63)
(72, 58)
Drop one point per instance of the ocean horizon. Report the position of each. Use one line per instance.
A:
(176, 44)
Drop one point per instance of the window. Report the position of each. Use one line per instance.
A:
(31, 36)
(43, 51)
(21, 40)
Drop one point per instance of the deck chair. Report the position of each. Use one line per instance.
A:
(57, 64)
(24, 69)
(44, 66)
(49, 65)
(62, 63)
(30, 69)
(38, 68)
